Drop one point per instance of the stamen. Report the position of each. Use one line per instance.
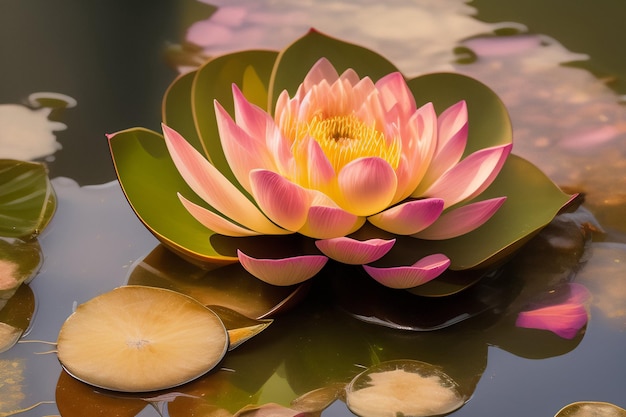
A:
(346, 138)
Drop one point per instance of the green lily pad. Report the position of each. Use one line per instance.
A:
(27, 200)
(230, 286)
(151, 182)
(591, 409)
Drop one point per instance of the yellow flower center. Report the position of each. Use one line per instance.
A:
(346, 138)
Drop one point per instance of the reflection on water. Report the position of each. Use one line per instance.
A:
(27, 133)
(604, 275)
(416, 36)
(12, 385)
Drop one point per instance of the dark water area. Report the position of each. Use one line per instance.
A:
(100, 67)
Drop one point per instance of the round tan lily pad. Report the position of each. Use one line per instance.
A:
(137, 338)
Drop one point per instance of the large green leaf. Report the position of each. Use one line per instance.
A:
(151, 182)
(213, 81)
(489, 123)
(27, 200)
(297, 59)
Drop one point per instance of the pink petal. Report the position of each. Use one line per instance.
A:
(410, 217)
(565, 319)
(459, 221)
(243, 151)
(419, 140)
(213, 187)
(215, 222)
(270, 149)
(394, 91)
(452, 138)
(328, 222)
(321, 70)
(403, 277)
(355, 252)
(284, 202)
(351, 76)
(320, 172)
(252, 119)
(367, 186)
(471, 176)
(283, 272)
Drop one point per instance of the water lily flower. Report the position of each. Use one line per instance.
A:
(341, 152)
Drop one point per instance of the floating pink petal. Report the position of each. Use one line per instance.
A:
(565, 319)
(285, 271)
(403, 277)
(355, 252)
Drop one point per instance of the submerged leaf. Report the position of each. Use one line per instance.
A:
(27, 200)
(408, 388)
(591, 409)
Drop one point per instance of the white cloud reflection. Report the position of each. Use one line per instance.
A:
(416, 36)
(26, 132)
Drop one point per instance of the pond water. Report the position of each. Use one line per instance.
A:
(74, 71)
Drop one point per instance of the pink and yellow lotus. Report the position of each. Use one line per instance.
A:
(284, 160)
